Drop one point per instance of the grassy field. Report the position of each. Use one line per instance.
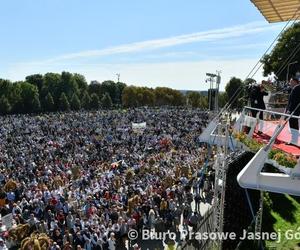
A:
(282, 214)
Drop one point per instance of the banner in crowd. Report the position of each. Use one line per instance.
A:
(7, 220)
(139, 127)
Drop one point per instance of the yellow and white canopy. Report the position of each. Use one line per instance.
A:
(278, 10)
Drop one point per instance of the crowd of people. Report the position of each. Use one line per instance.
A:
(86, 178)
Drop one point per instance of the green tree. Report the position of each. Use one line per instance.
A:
(106, 101)
(49, 103)
(222, 99)
(15, 98)
(75, 102)
(36, 104)
(52, 82)
(119, 90)
(13, 94)
(68, 84)
(86, 101)
(96, 87)
(5, 87)
(148, 97)
(163, 96)
(95, 102)
(80, 82)
(234, 92)
(129, 97)
(111, 88)
(285, 51)
(194, 99)
(203, 102)
(36, 80)
(29, 98)
(168, 96)
(64, 104)
(4, 106)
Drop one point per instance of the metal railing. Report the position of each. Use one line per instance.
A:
(271, 112)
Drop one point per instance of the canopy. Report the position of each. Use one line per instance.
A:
(278, 10)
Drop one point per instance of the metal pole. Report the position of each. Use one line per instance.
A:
(288, 69)
(209, 98)
(217, 89)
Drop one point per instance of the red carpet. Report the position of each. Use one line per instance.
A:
(267, 128)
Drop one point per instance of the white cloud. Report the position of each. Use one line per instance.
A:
(205, 36)
(176, 74)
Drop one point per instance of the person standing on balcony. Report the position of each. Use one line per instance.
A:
(257, 100)
(294, 100)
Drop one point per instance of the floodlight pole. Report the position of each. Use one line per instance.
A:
(211, 79)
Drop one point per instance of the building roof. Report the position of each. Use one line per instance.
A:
(278, 10)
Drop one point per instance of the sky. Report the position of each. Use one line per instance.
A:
(170, 43)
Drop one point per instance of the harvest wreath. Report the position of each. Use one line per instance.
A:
(282, 158)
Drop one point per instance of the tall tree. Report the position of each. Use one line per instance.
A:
(286, 51)
(203, 102)
(49, 103)
(129, 97)
(110, 87)
(119, 90)
(148, 96)
(68, 84)
(80, 82)
(52, 82)
(96, 87)
(36, 104)
(36, 80)
(15, 98)
(75, 102)
(222, 99)
(5, 87)
(29, 98)
(234, 91)
(4, 105)
(168, 96)
(64, 104)
(193, 98)
(106, 101)
(95, 102)
(86, 101)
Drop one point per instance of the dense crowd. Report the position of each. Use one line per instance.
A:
(86, 178)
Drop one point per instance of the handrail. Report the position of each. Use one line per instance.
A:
(272, 112)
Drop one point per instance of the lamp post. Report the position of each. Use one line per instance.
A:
(218, 81)
(288, 68)
(211, 80)
(211, 83)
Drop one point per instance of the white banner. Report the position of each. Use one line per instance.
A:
(139, 126)
(7, 220)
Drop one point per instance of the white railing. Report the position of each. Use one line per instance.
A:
(251, 176)
(287, 135)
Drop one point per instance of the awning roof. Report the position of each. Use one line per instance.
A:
(278, 10)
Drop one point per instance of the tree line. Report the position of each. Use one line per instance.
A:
(54, 92)
(57, 92)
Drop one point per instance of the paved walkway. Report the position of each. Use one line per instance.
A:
(160, 245)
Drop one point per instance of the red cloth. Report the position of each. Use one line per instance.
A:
(290, 149)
